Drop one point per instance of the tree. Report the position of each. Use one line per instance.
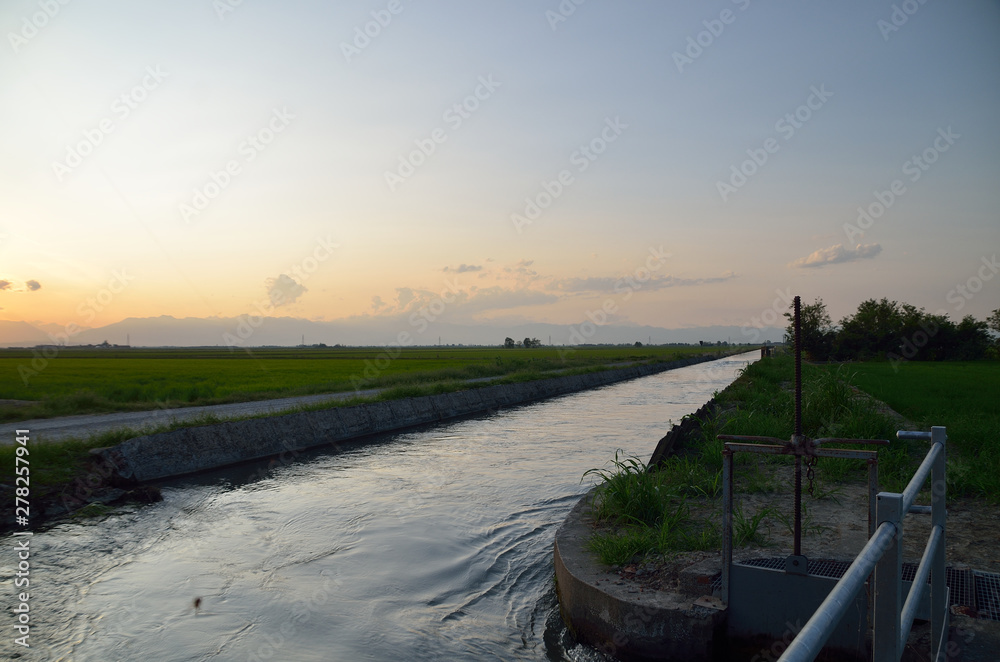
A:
(994, 320)
(973, 339)
(873, 331)
(816, 327)
(509, 343)
(532, 342)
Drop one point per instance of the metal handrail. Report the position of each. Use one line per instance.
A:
(920, 477)
(919, 580)
(818, 629)
(892, 621)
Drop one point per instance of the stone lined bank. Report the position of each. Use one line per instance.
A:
(194, 449)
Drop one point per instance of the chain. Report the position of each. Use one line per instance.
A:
(810, 471)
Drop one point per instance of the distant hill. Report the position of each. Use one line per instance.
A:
(18, 334)
(368, 331)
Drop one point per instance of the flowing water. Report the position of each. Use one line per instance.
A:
(423, 545)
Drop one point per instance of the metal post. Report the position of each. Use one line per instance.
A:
(798, 506)
(872, 525)
(939, 600)
(797, 436)
(872, 495)
(798, 367)
(727, 520)
(888, 572)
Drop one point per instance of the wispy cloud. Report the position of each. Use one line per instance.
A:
(463, 268)
(5, 285)
(836, 254)
(608, 284)
(460, 305)
(33, 285)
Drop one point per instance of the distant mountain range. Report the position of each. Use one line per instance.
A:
(167, 331)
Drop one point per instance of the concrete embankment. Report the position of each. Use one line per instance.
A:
(616, 618)
(190, 450)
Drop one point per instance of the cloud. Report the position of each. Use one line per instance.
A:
(499, 298)
(404, 296)
(836, 254)
(458, 306)
(283, 290)
(29, 286)
(609, 284)
(522, 271)
(463, 268)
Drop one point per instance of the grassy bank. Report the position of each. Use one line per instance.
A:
(678, 507)
(88, 380)
(55, 465)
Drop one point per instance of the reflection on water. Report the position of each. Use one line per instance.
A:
(430, 544)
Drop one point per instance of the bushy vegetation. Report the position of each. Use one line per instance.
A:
(893, 331)
(646, 513)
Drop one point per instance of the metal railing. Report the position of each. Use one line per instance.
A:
(730, 448)
(891, 619)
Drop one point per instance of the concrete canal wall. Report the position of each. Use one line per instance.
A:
(194, 449)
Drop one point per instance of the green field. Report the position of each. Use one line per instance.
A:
(86, 380)
(962, 396)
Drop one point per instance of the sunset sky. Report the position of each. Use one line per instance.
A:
(521, 160)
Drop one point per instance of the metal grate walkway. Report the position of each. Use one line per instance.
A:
(970, 588)
(988, 594)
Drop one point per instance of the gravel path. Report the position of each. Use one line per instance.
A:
(82, 426)
(63, 427)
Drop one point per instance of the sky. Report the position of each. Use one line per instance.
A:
(672, 164)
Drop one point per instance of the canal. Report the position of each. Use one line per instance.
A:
(430, 544)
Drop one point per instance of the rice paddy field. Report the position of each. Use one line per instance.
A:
(963, 396)
(88, 380)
